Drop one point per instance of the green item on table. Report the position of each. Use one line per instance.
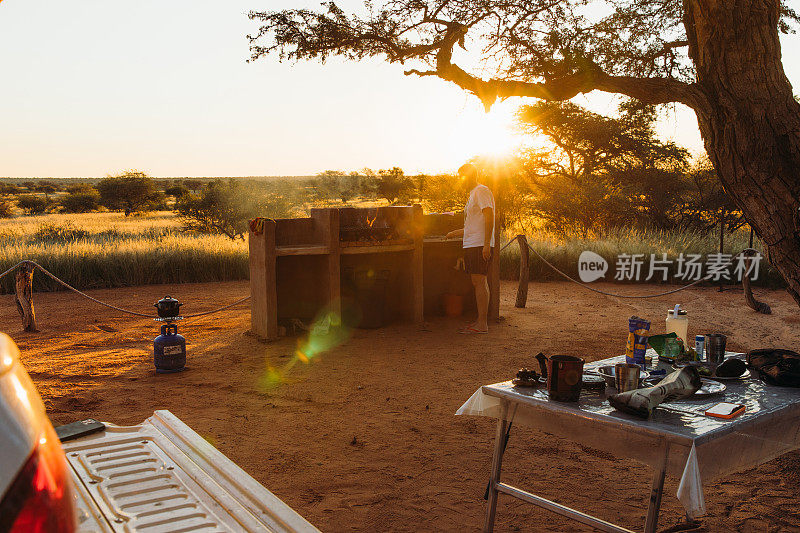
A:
(657, 342)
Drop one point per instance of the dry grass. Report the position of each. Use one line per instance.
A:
(563, 253)
(109, 250)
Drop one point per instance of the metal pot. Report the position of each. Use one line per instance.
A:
(168, 307)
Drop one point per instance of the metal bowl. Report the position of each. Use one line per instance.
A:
(607, 373)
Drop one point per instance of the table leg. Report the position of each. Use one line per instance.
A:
(497, 462)
(656, 492)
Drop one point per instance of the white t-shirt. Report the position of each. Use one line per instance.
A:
(474, 224)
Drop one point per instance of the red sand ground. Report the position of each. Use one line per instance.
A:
(364, 437)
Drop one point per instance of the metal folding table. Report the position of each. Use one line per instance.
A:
(677, 439)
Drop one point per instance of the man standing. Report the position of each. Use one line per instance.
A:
(478, 238)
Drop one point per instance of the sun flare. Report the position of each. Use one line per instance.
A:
(477, 133)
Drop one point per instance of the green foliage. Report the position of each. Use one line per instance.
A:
(707, 201)
(193, 185)
(570, 45)
(225, 207)
(8, 188)
(33, 204)
(81, 200)
(80, 187)
(6, 208)
(130, 191)
(394, 186)
(46, 187)
(335, 184)
(176, 191)
(443, 193)
(599, 172)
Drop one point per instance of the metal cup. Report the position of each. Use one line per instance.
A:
(715, 348)
(626, 376)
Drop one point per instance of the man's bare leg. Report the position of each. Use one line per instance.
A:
(481, 285)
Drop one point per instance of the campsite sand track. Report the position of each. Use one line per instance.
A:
(364, 438)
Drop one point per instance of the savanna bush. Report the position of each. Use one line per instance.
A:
(59, 233)
(81, 201)
(33, 204)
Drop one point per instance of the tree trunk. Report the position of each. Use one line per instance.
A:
(751, 125)
(752, 303)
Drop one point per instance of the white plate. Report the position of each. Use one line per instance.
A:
(709, 387)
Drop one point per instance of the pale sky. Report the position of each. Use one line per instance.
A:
(94, 87)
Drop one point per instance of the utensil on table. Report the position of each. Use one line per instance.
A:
(715, 347)
(608, 373)
(593, 381)
(526, 378)
(626, 377)
(564, 375)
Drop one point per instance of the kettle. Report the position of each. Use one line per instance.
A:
(564, 375)
(168, 307)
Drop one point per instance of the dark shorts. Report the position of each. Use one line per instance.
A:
(474, 263)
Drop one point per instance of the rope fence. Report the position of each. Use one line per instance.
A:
(615, 295)
(593, 289)
(108, 305)
(31, 265)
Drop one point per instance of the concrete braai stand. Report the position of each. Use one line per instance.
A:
(297, 265)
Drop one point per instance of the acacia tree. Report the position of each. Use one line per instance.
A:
(598, 171)
(721, 58)
(132, 191)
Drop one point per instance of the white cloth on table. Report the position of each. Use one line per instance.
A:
(690, 489)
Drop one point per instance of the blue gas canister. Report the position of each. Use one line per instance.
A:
(169, 350)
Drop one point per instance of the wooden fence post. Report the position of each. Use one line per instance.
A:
(24, 296)
(524, 271)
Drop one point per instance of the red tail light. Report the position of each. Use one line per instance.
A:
(40, 498)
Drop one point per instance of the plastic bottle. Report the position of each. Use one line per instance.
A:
(678, 321)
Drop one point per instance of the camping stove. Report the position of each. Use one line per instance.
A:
(169, 348)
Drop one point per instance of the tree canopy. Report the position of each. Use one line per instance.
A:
(549, 49)
(130, 191)
(721, 58)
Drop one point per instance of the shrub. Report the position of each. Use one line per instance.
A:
(8, 188)
(33, 204)
(80, 187)
(60, 233)
(443, 193)
(394, 185)
(131, 191)
(222, 207)
(6, 208)
(225, 207)
(176, 191)
(81, 201)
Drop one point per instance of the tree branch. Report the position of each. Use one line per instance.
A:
(647, 90)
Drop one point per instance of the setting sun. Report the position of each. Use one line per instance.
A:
(476, 132)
